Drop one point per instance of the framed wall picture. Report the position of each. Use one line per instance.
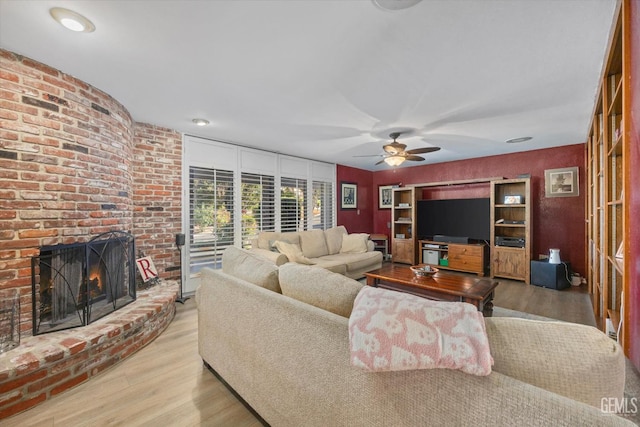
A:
(348, 195)
(561, 182)
(385, 196)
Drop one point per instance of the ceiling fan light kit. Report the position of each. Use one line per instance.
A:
(394, 160)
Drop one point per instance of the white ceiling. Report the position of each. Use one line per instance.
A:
(329, 80)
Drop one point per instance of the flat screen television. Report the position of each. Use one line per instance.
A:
(454, 217)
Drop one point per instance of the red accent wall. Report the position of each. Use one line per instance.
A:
(557, 222)
(633, 228)
(359, 220)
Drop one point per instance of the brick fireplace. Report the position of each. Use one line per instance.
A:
(75, 164)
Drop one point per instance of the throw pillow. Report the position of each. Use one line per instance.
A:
(319, 287)
(244, 265)
(395, 331)
(354, 243)
(313, 244)
(334, 237)
(293, 252)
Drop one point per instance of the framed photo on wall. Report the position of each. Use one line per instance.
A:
(561, 182)
(385, 196)
(348, 195)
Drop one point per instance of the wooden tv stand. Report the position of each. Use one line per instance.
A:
(467, 257)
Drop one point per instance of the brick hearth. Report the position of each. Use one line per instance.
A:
(46, 365)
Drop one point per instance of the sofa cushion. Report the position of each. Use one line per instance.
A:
(252, 268)
(354, 243)
(334, 265)
(313, 243)
(539, 353)
(318, 287)
(333, 236)
(355, 261)
(292, 251)
(267, 238)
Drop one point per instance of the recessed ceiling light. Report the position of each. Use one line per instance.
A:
(395, 4)
(516, 140)
(72, 20)
(200, 122)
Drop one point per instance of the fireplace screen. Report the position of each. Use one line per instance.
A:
(74, 285)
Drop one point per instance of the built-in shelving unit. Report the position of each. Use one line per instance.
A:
(607, 177)
(404, 245)
(511, 229)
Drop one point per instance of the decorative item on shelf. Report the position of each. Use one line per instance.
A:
(512, 200)
(404, 219)
(400, 236)
(620, 251)
(423, 270)
(404, 205)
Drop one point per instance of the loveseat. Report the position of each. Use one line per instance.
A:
(334, 249)
(279, 337)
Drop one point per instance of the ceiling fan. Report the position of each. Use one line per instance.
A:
(395, 153)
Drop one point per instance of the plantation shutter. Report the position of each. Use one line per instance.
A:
(293, 196)
(258, 206)
(322, 214)
(211, 216)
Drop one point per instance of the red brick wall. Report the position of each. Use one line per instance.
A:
(73, 164)
(157, 187)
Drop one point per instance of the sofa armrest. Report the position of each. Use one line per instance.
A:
(371, 246)
(276, 257)
(576, 361)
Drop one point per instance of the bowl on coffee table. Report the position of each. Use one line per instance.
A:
(423, 270)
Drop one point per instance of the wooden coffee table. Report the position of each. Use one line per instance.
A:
(441, 286)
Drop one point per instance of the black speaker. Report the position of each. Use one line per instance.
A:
(553, 276)
(180, 239)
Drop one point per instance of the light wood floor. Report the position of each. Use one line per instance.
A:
(165, 383)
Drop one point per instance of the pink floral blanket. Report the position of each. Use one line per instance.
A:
(393, 331)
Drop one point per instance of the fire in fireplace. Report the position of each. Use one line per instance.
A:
(74, 285)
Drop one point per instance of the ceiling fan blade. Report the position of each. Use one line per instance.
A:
(381, 161)
(423, 150)
(414, 158)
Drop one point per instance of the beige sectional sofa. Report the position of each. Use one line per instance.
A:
(333, 249)
(272, 333)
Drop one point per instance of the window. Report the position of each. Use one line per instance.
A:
(211, 216)
(293, 197)
(258, 206)
(322, 205)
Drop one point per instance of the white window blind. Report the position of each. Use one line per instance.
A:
(258, 206)
(293, 197)
(322, 205)
(211, 216)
